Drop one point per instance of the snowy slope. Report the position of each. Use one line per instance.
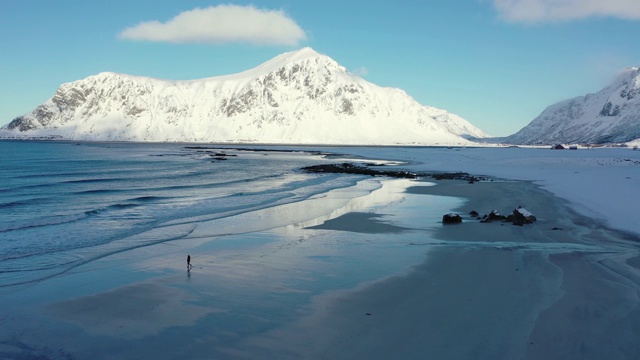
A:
(611, 115)
(300, 97)
(601, 183)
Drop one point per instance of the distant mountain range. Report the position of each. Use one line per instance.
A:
(303, 97)
(611, 115)
(299, 97)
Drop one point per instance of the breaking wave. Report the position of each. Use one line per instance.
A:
(52, 220)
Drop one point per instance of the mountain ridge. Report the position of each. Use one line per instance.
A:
(611, 115)
(299, 97)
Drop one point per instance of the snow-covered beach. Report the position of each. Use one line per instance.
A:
(601, 183)
(566, 287)
(372, 273)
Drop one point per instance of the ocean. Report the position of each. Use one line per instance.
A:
(63, 204)
(287, 264)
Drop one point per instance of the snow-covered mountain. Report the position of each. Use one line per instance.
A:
(611, 115)
(299, 97)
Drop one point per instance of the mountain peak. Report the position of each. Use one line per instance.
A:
(608, 116)
(304, 56)
(299, 55)
(299, 97)
(630, 75)
(305, 52)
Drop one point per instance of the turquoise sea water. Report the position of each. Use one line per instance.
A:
(64, 204)
(94, 236)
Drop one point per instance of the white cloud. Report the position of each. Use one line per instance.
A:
(221, 24)
(532, 11)
(361, 71)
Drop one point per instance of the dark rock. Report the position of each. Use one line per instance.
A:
(349, 168)
(494, 215)
(522, 216)
(474, 213)
(451, 219)
(455, 176)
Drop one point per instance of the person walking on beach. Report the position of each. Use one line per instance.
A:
(188, 262)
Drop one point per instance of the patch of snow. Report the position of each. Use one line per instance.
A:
(601, 183)
(524, 212)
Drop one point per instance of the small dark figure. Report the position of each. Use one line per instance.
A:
(188, 262)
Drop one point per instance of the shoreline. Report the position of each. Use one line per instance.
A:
(240, 283)
(377, 279)
(525, 292)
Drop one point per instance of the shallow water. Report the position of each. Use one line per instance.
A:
(65, 204)
(264, 239)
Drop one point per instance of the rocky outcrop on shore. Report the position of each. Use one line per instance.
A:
(451, 219)
(349, 168)
(367, 169)
(519, 216)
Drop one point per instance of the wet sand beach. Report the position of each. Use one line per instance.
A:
(561, 288)
(377, 280)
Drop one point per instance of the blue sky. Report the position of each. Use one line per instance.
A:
(497, 63)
